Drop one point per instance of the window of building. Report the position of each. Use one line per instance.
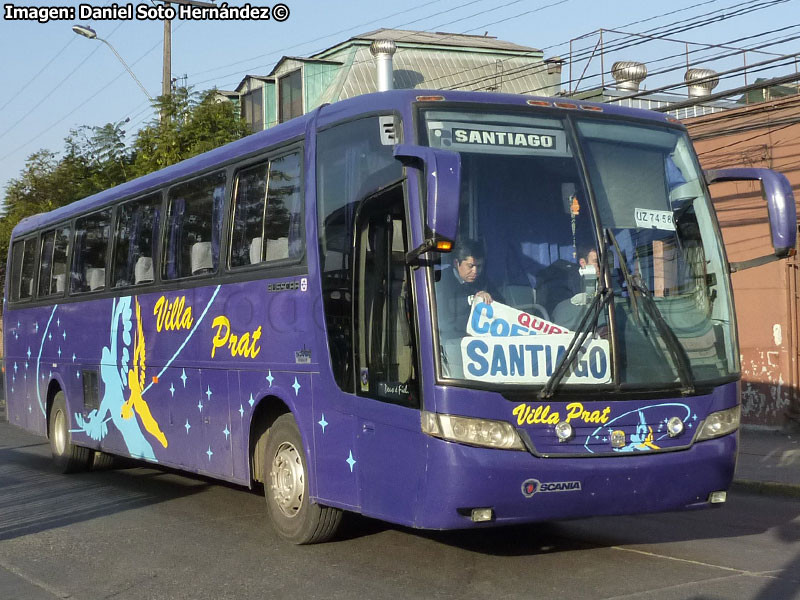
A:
(92, 233)
(253, 109)
(193, 227)
(135, 241)
(267, 213)
(290, 96)
(53, 264)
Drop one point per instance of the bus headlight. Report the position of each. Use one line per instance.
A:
(475, 432)
(720, 423)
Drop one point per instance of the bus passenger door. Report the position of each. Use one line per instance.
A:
(389, 439)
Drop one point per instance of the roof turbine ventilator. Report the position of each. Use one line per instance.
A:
(700, 82)
(383, 50)
(628, 74)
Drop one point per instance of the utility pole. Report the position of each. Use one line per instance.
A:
(166, 71)
(166, 68)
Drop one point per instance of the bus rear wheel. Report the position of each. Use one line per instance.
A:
(67, 457)
(292, 514)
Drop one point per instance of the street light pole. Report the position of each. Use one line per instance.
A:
(90, 33)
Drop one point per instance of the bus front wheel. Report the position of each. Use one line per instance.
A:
(67, 457)
(291, 512)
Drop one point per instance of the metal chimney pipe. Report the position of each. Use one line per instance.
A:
(383, 50)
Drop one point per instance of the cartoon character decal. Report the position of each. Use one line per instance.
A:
(644, 439)
(118, 379)
(124, 382)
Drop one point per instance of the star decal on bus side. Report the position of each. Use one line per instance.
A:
(210, 453)
(241, 411)
(227, 433)
(296, 387)
(351, 461)
(323, 423)
(183, 377)
(251, 401)
(270, 378)
(209, 393)
(187, 426)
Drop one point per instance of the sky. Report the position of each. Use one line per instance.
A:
(53, 81)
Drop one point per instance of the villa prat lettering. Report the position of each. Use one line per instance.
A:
(543, 414)
(173, 315)
(245, 345)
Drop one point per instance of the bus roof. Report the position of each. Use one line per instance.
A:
(367, 103)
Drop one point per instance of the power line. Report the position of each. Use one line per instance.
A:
(50, 93)
(685, 25)
(32, 79)
(281, 52)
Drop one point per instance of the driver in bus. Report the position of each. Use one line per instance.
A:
(457, 290)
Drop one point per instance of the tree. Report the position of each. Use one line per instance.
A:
(189, 125)
(97, 158)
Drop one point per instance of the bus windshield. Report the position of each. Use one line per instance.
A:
(559, 219)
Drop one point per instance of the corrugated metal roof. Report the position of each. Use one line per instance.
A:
(442, 39)
(432, 69)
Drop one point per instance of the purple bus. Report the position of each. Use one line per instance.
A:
(440, 309)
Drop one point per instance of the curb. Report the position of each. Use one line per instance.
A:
(767, 488)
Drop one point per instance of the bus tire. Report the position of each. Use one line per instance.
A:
(103, 461)
(67, 457)
(292, 514)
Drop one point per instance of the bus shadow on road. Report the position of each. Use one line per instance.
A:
(34, 498)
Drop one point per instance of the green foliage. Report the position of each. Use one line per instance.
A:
(188, 125)
(97, 158)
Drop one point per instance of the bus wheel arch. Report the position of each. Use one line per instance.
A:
(52, 390)
(265, 412)
(67, 457)
(286, 487)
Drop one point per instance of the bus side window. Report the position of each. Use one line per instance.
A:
(23, 269)
(92, 233)
(135, 241)
(283, 222)
(193, 227)
(46, 263)
(247, 227)
(267, 213)
(58, 273)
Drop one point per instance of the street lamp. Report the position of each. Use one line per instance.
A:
(90, 33)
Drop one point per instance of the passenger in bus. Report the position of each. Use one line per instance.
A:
(568, 312)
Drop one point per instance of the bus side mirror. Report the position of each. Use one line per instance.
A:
(780, 204)
(442, 171)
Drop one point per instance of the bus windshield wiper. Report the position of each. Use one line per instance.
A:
(636, 287)
(583, 330)
(585, 327)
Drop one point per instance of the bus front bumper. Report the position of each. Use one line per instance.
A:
(521, 488)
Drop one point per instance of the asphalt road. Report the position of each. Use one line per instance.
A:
(139, 533)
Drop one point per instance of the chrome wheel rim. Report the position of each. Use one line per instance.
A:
(59, 433)
(287, 479)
